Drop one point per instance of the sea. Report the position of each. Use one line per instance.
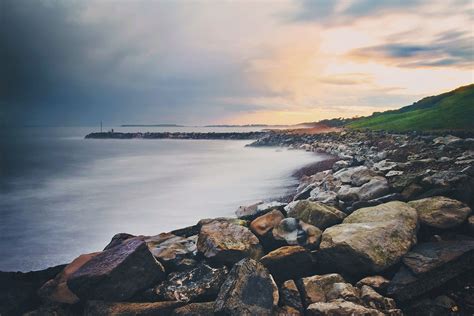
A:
(62, 195)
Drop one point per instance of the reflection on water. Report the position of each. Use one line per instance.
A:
(62, 195)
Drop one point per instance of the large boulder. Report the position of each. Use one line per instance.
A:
(56, 290)
(288, 262)
(248, 290)
(226, 243)
(118, 273)
(430, 265)
(315, 288)
(94, 308)
(370, 240)
(356, 176)
(315, 213)
(174, 252)
(202, 282)
(291, 231)
(441, 212)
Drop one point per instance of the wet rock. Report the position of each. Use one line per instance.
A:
(117, 273)
(249, 289)
(290, 295)
(341, 308)
(195, 309)
(377, 282)
(174, 252)
(430, 265)
(371, 239)
(315, 213)
(94, 308)
(372, 299)
(345, 291)
(441, 212)
(226, 243)
(315, 288)
(56, 290)
(288, 262)
(292, 231)
(200, 283)
(263, 224)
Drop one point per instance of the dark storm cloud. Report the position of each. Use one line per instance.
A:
(451, 48)
(62, 66)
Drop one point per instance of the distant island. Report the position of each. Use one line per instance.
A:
(151, 125)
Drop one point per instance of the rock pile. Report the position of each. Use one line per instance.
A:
(387, 230)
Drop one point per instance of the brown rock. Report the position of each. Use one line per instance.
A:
(56, 290)
(315, 213)
(340, 307)
(372, 299)
(290, 295)
(117, 273)
(345, 291)
(226, 243)
(263, 224)
(291, 231)
(377, 282)
(195, 309)
(172, 251)
(315, 288)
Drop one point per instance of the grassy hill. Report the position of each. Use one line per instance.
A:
(453, 110)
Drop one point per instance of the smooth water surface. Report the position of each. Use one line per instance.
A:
(62, 195)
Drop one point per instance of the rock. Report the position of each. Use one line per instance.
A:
(249, 289)
(291, 231)
(377, 282)
(470, 224)
(441, 212)
(18, 290)
(355, 176)
(315, 288)
(94, 308)
(393, 173)
(340, 164)
(430, 265)
(290, 295)
(195, 309)
(117, 273)
(263, 224)
(372, 299)
(226, 243)
(441, 305)
(287, 311)
(341, 308)
(376, 187)
(345, 291)
(200, 283)
(385, 165)
(383, 199)
(315, 213)
(326, 197)
(172, 251)
(56, 290)
(371, 239)
(288, 262)
(118, 239)
(248, 212)
(446, 140)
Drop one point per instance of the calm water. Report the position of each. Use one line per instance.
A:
(62, 195)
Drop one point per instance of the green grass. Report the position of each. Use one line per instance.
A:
(453, 110)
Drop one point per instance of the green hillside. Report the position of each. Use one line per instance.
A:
(453, 110)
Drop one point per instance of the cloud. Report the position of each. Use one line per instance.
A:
(447, 49)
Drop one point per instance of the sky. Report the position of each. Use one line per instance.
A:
(226, 62)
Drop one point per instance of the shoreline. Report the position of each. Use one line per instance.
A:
(366, 178)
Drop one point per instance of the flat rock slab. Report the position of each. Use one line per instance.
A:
(248, 290)
(429, 265)
(226, 243)
(341, 308)
(118, 273)
(370, 240)
(94, 308)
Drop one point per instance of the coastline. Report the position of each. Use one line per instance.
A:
(365, 172)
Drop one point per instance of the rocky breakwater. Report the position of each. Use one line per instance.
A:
(176, 135)
(388, 230)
